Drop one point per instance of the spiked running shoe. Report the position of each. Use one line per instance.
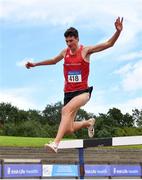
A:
(52, 147)
(91, 128)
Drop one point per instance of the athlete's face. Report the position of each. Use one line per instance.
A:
(72, 42)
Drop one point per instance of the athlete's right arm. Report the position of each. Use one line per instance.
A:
(46, 62)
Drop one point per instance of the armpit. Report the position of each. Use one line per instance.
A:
(85, 54)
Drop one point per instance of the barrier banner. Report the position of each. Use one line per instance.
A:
(65, 170)
(22, 170)
(97, 170)
(126, 170)
(60, 170)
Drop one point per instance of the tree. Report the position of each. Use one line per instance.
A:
(8, 113)
(35, 115)
(52, 113)
(115, 117)
(82, 114)
(137, 117)
(118, 119)
(127, 120)
(45, 124)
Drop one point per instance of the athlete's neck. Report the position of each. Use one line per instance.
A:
(73, 51)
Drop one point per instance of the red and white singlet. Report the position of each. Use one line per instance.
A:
(76, 71)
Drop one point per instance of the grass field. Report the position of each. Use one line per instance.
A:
(37, 142)
(23, 141)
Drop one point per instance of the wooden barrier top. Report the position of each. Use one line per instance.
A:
(114, 141)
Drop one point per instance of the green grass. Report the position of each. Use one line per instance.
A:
(23, 141)
(126, 147)
(39, 142)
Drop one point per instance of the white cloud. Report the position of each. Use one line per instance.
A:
(60, 12)
(131, 74)
(93, 13)
(127, 106)
(24, 61)
(27, 98)
(131, 56)
(19, 97)
(97, 103)
(97, 107)
(123, 70)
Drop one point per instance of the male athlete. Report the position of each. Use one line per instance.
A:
(76, 90)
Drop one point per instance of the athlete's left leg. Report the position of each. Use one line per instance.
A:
(67, 124)
(68, 114)
(81, 124)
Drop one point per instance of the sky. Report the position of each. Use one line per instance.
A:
(32, 30)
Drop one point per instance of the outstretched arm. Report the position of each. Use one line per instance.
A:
(46, 62)
(111, 41)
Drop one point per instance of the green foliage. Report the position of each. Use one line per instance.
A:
(33, 123)
(128, 131)
(9, 129)
(116, 118)
(137, 117)
(8, 113)
(104, 133)
(52, 113)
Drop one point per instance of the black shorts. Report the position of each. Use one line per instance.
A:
(69, 95)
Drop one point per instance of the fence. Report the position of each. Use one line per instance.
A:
(24, 169)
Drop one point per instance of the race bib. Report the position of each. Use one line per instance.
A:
(74, 76)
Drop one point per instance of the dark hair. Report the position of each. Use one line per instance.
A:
(71, 32)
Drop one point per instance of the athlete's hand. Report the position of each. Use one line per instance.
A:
(119, 24)
(29, 65)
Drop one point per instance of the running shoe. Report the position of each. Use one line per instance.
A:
(52, 147)
(91, 128)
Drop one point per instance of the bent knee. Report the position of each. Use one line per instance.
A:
(70, 131)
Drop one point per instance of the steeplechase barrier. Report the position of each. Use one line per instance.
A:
(26, 168)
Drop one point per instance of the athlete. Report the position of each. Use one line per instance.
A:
(76, 90)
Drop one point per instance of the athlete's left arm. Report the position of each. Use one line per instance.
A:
(110, 42)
